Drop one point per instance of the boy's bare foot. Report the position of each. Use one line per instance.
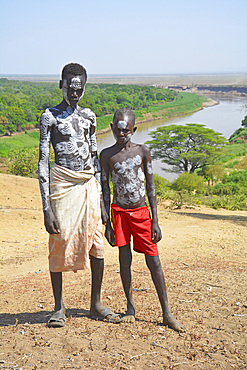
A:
(172, 323)
(128, 319)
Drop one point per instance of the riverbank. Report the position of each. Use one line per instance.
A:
(149, 118)
(209, 103)
(183, 104)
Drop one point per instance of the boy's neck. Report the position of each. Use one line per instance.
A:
(64, 105)
(124, 145)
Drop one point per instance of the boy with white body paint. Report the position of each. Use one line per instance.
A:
(70, 193)
(129, 164)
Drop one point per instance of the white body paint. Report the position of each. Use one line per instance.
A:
(152, 191)
(128, 181)
(149, 168)
(74, 143)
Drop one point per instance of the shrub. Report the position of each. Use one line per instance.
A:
(181, 198)
(237, 177)
(242, 164)
(214, 173)
(24, 162)
(162, 187)
(232, 164)
(189, 182)
(231, 151)
(232, 203)
(224, 189)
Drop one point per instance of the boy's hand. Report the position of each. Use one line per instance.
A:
(50, 221)
(109, 234)
(155, 232)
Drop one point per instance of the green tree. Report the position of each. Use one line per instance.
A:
(244, 122)
(11, 128)
(2, 129)
(185, 148)
(16, 116)
(214, 173)
(3, 125)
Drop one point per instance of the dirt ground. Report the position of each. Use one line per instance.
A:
(203, 252)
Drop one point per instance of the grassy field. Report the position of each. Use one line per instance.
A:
(19, 141)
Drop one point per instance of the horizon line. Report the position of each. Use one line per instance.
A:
(129, 74)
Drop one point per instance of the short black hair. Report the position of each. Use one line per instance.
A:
(124, 112)
(74, 69)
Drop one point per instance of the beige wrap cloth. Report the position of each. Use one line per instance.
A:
(75, 201)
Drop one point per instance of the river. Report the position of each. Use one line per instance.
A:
(225, 118)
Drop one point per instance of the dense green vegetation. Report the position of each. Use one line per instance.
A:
(240, 135)
(219, 183)
(217, 180)
(22, 102)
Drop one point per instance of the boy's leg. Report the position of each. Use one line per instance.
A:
(97, 268)
(154, 265)
(58, 318)
(96, 308)
(125, 260)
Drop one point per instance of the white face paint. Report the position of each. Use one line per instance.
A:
(122, 125)
(75, 84)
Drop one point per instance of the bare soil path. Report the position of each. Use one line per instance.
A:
(203, 252)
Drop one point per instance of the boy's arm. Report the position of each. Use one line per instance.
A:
(50, 221)
(93, 148)
(97, 175)
(97, 168)
(151, 193)
(109, 233)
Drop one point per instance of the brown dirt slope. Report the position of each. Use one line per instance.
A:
(203, 253)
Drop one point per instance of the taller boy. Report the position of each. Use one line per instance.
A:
(129, 164)
(70, 192)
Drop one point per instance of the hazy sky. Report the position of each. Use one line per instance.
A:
(123, 37)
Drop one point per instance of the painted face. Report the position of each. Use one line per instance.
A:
(73, 89)
(122, 131)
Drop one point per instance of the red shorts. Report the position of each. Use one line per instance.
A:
(135, 222)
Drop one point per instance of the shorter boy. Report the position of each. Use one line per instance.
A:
(129, 164)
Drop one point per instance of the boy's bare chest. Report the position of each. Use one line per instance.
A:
(73, 126)
(123, 164)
